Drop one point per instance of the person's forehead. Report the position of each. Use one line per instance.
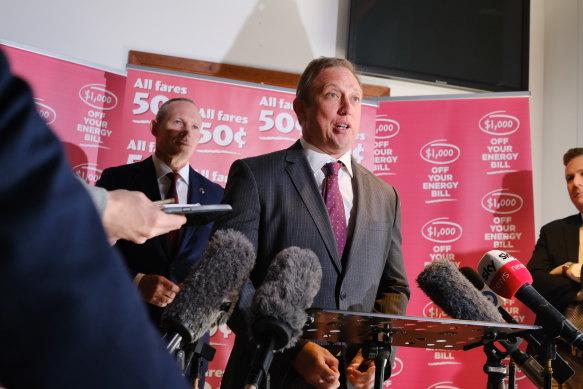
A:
(336, 75)
(182, 106)
(575, 164)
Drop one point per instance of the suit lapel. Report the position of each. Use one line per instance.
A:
(302, 178)
(145, 179)
(362, 214)
(196, 189)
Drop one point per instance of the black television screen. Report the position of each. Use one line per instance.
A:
(477, 44)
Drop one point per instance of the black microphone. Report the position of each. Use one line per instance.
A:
(455, 294)
(452, 292)
(210, 291)
(488, 293)
(278, 310)
(508, 277)
(562, 371)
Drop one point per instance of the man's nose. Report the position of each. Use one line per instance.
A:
(345, 106)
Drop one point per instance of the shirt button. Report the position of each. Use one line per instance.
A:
(342, 295)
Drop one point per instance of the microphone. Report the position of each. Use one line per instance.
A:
(455, 294)
(210, 291)
(532, 369)
(278, 310)
(476, 280)
(452, 292)
(488, 293)
(508, 277)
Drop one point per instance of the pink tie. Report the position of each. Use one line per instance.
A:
(173, 236)
(334, 204)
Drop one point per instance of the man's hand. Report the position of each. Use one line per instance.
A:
(318, 366)
(361, 372)
(157, 290)
(132, 216)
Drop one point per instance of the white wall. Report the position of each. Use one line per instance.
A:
(285, 34)
(561, 102)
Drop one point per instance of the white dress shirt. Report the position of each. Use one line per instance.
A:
(164, 181)
(317, 159)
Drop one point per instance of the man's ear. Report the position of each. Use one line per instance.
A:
(154, 127)
(300, 110)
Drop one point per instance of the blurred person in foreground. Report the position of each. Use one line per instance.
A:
(70, 316)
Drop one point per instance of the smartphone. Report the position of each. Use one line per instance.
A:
(197, 214)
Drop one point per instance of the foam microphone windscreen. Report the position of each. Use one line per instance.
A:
(212, 287)
(288, 289)
(454, 294)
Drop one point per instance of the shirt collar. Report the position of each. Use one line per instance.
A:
(317, 158)
(162, 169)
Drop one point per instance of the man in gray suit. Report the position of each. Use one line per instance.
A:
(277, 203)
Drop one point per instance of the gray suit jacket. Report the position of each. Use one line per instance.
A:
(276, 204)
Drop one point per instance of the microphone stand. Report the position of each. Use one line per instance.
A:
(511, 374)
(379, 350)
(189, 354)
(269, 334)
(195, 354)
(552, 325)
(494, 367)
(549, 355)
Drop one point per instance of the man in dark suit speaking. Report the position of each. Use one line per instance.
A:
(161, 263)
(282, 199)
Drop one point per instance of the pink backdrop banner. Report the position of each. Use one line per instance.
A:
(82, 104)
(462, 166)
(463, 169)
(239, 120)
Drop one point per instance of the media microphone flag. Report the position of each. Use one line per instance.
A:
(529, 366)
(508, 277)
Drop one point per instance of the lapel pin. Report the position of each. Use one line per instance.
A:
(201, 190)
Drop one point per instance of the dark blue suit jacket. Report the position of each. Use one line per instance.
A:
(71, 317)
(558, 243)
(152, 257)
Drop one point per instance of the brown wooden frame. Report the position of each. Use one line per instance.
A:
(232, 72)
